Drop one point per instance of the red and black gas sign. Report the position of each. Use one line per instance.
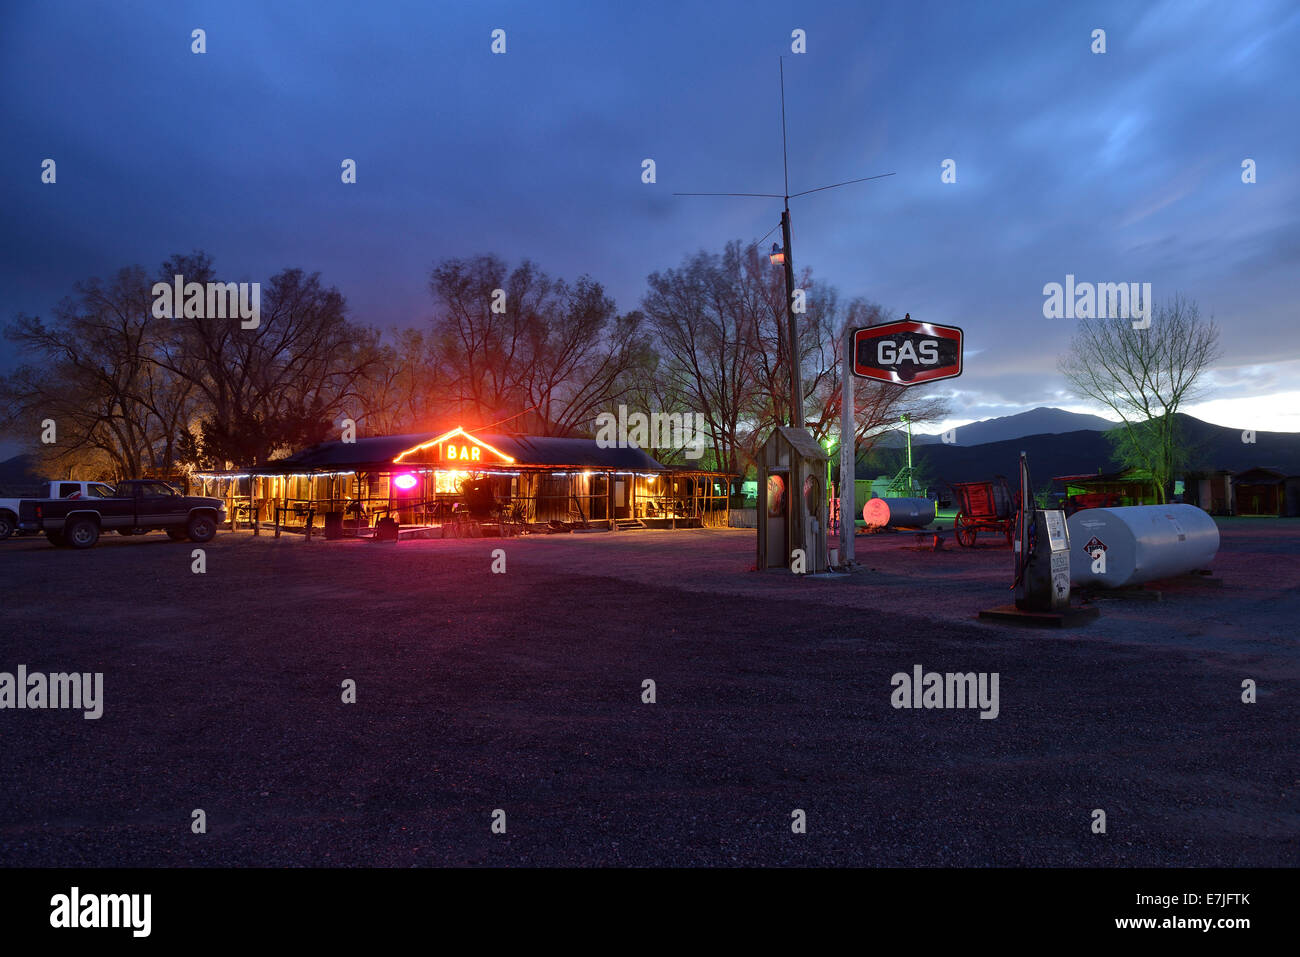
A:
(907, 352)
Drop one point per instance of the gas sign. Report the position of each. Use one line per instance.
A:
(907, 352)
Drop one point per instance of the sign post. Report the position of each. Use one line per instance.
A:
(902, 353)
(848, 456)
(907, 353)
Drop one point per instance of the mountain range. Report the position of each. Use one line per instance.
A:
(1057, 443)
(1075, 451)
(1040, 421)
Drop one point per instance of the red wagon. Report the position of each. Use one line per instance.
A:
(983, 507)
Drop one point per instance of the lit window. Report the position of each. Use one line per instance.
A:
(449, 482)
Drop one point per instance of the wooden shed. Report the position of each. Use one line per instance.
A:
(792, 499)
(1266, 491)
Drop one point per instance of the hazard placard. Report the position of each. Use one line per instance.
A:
(1093, 545)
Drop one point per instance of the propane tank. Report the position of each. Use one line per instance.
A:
(898, 512)
(1139, 543)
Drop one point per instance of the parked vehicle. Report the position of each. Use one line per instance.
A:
(9, 524)
(135, 507)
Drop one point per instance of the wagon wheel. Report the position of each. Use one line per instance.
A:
(965, 529)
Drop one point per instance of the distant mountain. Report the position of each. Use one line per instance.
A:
(1040, 421)
(1071, 453)
(1088, 451)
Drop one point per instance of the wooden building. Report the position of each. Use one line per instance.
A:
(434, 480)
(792, 502)
(1129, 487)
(1212, 491)
(1265, 491)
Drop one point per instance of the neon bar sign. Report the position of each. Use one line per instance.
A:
(465, 449)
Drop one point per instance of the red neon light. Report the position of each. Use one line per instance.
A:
(405, 482)
(469, 449)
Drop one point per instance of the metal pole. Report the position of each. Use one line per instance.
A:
(792, 337)
(911, 485)
(848, 464)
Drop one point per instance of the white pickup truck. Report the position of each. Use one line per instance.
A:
(58, 489)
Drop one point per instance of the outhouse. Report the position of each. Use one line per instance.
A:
(792, 502)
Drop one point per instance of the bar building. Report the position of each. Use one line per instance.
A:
(433, 480)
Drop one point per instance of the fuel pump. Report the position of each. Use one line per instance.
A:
(1041, 553)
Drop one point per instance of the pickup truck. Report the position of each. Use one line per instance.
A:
(135, 507)
(57, 489)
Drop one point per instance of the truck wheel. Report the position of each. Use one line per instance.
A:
(82, 533)
(201, 528)
(56, 539)
(177, 534)
(7, 525)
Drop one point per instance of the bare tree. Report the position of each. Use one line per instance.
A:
(721, 324)
(276, 387)
(400, 391)
(1144, 376)
(96, 376)
(479, 347)
(763, 295)
(705, 319)
(582, 358)
(522, 347)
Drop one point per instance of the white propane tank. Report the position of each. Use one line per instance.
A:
(898, 512)
(1141, 543)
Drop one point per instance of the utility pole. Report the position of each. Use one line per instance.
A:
(792, 333)
(792, 326)
(848, 430)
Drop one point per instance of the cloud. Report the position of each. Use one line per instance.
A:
(1116, 167)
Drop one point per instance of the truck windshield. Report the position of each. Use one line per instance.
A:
(99, 491)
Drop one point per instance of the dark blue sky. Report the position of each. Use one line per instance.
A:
(1124, 166)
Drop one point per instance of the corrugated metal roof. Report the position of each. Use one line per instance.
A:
(339, 454)
(526, 450)
(551, 450)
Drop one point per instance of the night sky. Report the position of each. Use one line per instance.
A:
(1118, 167)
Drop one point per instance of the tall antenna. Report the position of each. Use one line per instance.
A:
(792, 334)
(785, 153)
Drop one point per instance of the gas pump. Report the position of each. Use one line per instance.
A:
(1041, 553)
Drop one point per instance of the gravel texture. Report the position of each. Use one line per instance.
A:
(522, 691)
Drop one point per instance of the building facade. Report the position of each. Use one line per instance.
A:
(454, 477)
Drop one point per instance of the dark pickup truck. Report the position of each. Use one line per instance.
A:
(135, 507)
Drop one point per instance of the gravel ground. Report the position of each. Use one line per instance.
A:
(522, 692)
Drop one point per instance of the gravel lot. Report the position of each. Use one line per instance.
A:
(522, 691)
